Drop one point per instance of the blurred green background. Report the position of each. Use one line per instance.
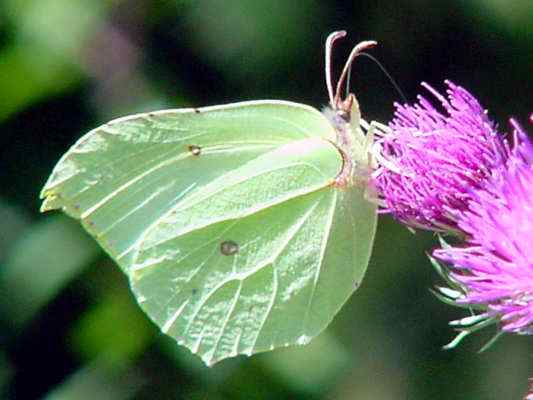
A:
(69, 327)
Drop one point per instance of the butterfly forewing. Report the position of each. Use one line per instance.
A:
(123, 176)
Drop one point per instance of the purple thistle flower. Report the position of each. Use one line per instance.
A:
(495, 268)
(430, 160)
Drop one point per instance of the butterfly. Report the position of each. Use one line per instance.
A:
(242, 227)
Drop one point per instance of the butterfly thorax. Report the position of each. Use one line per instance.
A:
(351, 142)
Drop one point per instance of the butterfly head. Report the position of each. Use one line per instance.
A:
(344, 114)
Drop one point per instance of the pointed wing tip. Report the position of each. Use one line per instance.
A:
(53, 201)
(45, 205)
(44, 193)
(48, 199)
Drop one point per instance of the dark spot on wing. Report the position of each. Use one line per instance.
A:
(194, 291)
(229, 248)
(195, 150)
(196, 111)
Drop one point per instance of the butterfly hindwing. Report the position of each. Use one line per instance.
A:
(274, 278)
(240, 285)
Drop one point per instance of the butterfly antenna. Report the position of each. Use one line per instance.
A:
(329, 47)
(355, 52)
(348, 77)
(387, 74)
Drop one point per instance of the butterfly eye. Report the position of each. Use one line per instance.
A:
(195, 150)
(229, 248)
(345, 115)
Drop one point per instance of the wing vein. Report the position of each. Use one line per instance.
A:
(132, 181)
(141, 205)
(168, 324)
(230, 312)
(321, 259)
(275, 284)
(290, 235)
(292, 232)
(194, 200)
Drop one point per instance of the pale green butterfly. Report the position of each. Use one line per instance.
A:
(241, 227)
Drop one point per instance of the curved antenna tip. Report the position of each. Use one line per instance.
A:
(336, 34)
(332, 37)
(366, 44)
(358, 48)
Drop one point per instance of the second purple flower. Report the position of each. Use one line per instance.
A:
(495, 267)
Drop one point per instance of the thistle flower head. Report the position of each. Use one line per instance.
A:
(432, 159)
(495, 267)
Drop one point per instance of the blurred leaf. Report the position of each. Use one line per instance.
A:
(257, 33)
(15, 221)
(313, 368)
(50, 253)
(514, 16)
(97, 380)
(23, 84)
(46, 56)
(114, 328)
(57, 27)
(200, 395)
